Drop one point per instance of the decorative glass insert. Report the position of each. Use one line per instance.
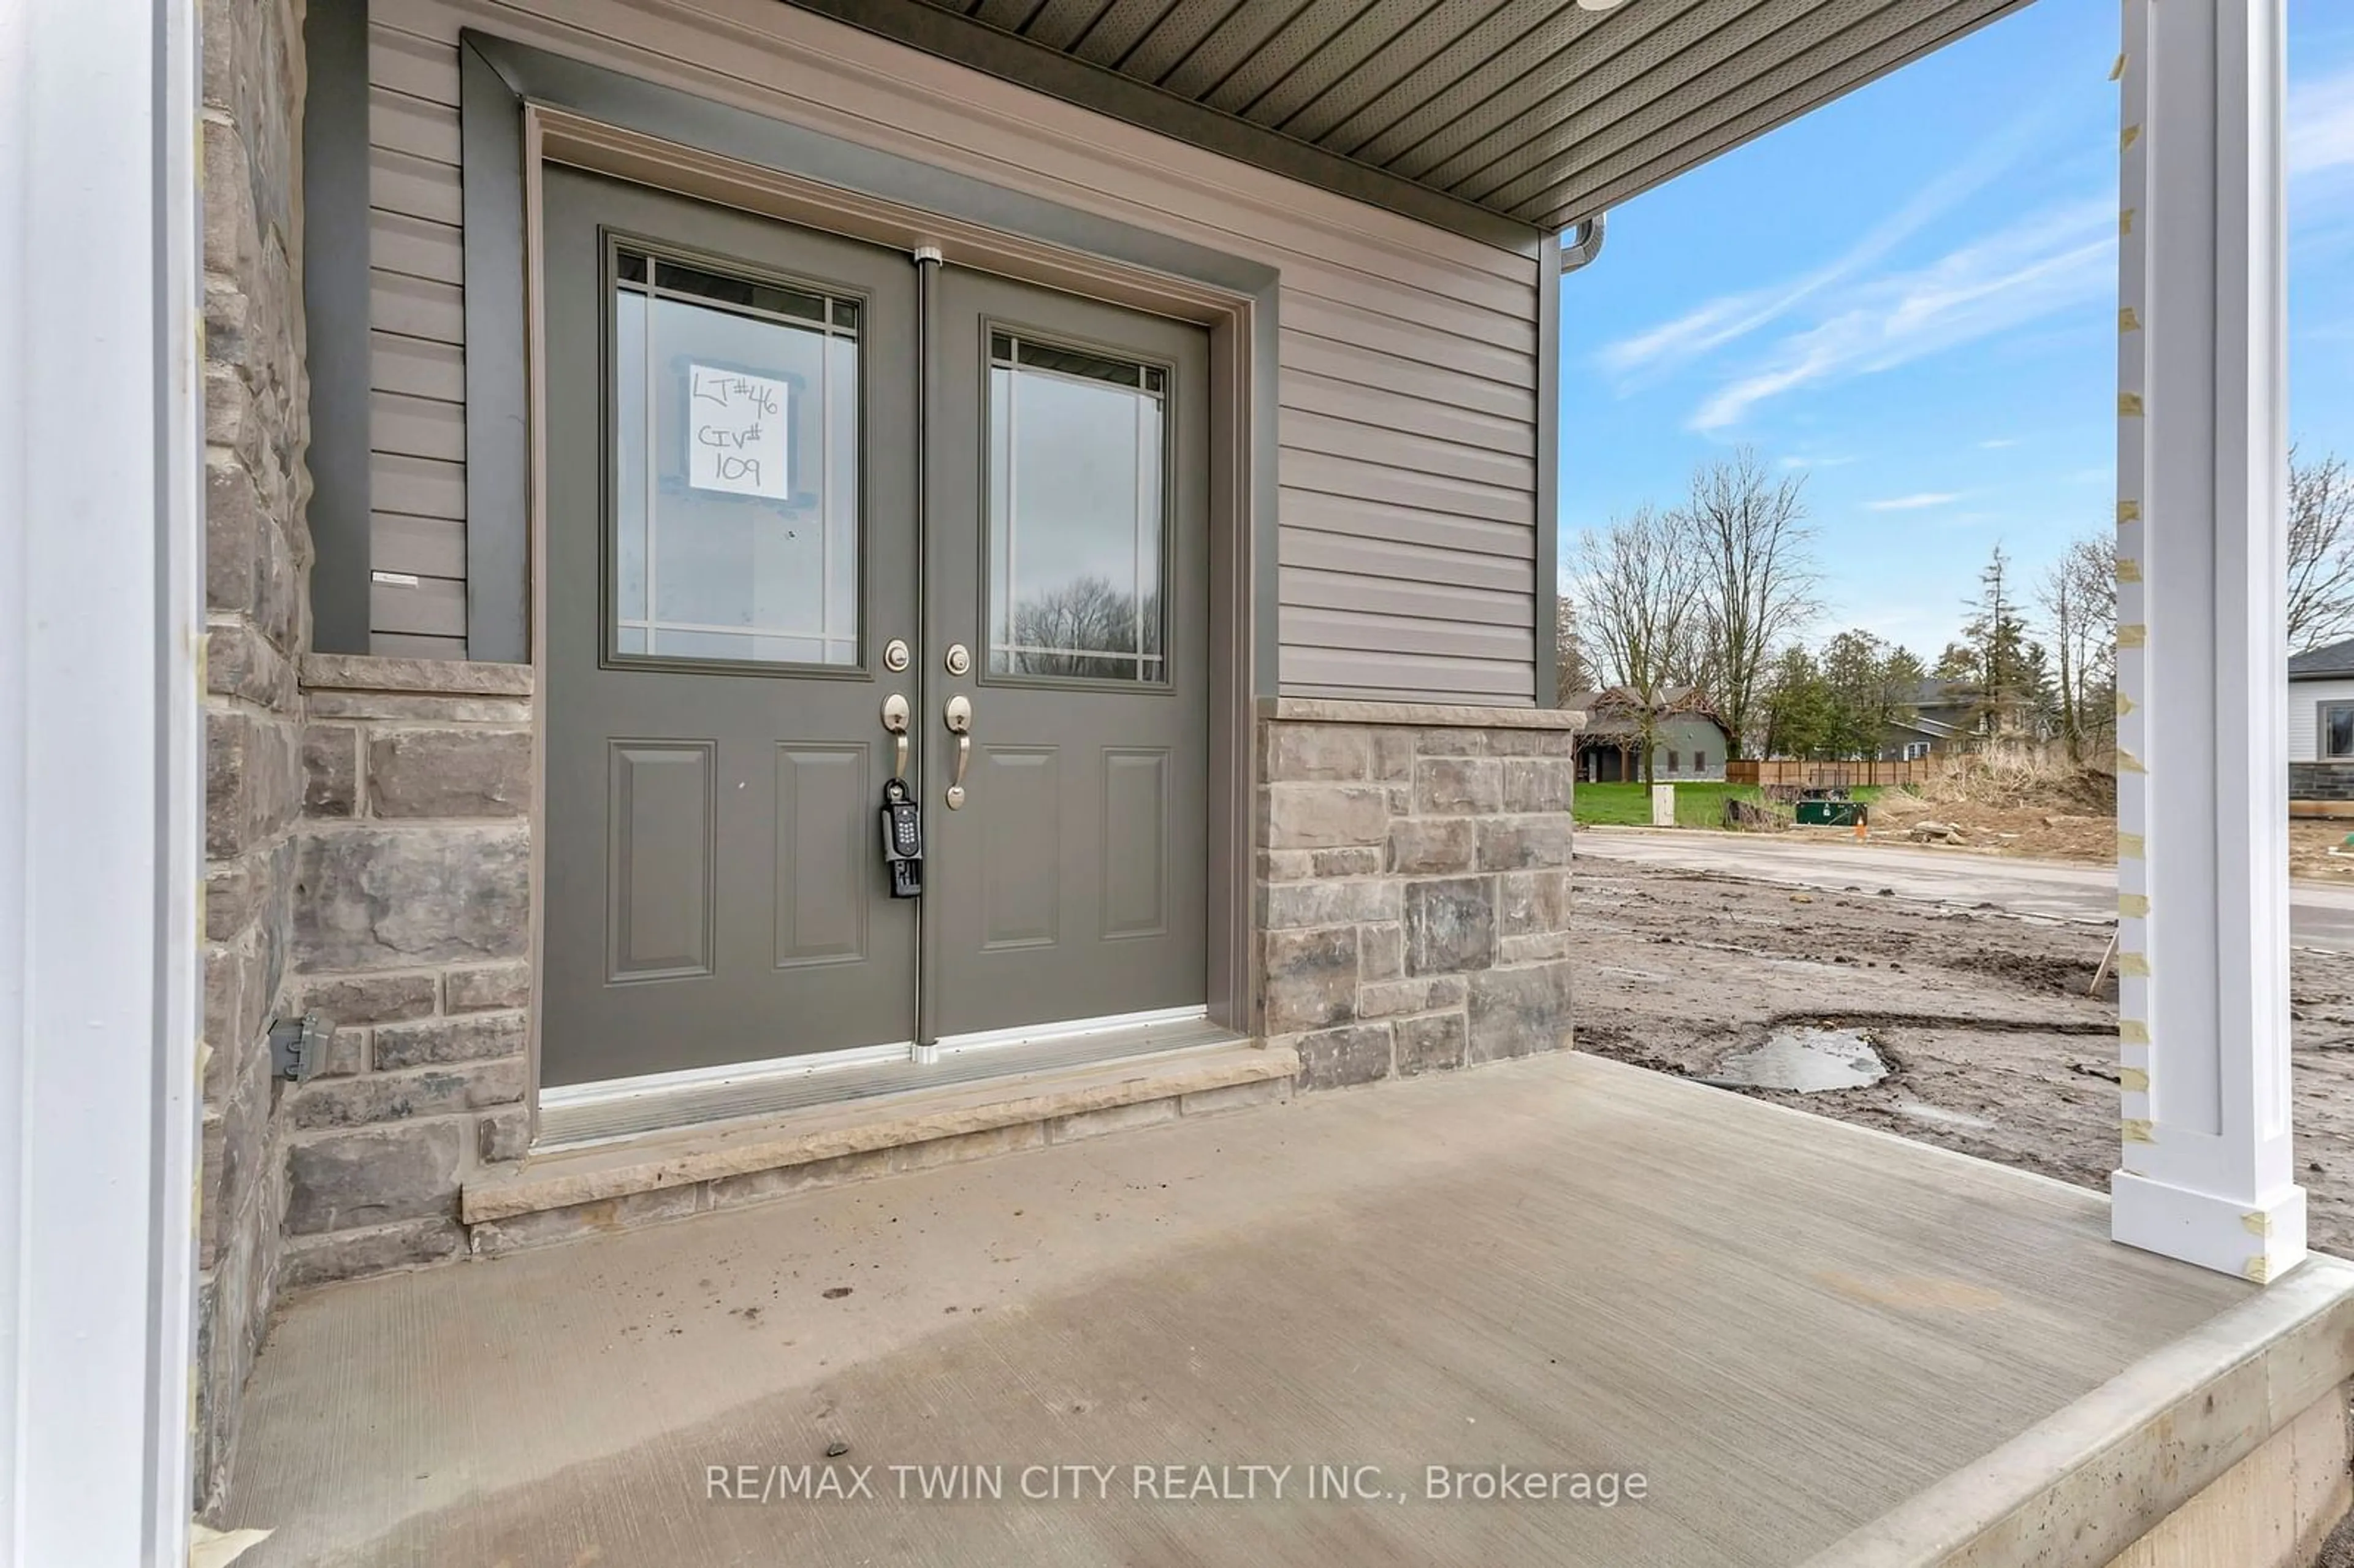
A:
(736, 468)
(1076, 512)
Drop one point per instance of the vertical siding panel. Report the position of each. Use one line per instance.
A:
(1408, 355)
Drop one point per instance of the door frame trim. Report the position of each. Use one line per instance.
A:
(522, 109)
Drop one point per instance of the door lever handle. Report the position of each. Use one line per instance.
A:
(895, 719)
(958, 716)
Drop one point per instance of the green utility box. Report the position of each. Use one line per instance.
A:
(1832, 813)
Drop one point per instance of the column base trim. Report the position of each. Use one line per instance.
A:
(2258, 1242)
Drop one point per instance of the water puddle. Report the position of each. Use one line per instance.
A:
(1806, 1059)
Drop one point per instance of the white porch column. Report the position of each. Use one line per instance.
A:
(100, 785)
(2203, 784)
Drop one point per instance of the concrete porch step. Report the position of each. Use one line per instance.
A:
(603, 1187)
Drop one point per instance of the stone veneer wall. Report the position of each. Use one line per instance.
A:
(2321, 781)
(1412, 890)
(411, 932)
(257, 428)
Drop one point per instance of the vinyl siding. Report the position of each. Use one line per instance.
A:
(1408, 355)
(2305, 700)
(418, 361)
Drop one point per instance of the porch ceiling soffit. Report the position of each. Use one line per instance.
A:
(1499, 118)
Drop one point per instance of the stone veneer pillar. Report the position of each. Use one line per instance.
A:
(257, 549)
(1413, 884)
(411, 932)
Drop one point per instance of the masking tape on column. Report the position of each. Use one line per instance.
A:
(2133, 906)
(2124, 223)
(2117, 71)
(2133, 1080)
(2134, 964)
(2128, 763)
(2128, 569)
(2129, 405)
(2138, 1129)
(2133, 634)
(2134, 1032)
(2128, 319)
(2129, 846)
(2127, 137)
(2128, 511)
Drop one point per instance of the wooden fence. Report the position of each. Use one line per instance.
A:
(1827, 775)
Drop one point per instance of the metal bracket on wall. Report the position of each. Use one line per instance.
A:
(299, 1045)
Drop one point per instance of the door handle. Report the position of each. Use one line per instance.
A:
(895, 719)
(958, 716)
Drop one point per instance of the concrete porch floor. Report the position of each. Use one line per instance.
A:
(1809, 1339)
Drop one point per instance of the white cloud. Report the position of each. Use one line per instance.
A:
(2054, 260)
(2321, 124)
(1915, 503)
(1730, 317)
(1997, 443)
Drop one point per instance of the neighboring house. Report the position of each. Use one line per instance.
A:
(2321, 724)
(1941, 720)
(1689, 741)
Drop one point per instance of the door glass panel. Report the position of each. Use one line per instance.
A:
(736, 468)
(1075, 512)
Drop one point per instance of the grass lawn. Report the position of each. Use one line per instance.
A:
(1697, 805)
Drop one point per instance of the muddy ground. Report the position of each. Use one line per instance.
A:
(1993, 1047)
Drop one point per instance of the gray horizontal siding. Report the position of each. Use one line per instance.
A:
(417, 420)
(1408, 354)
(401, 645)
(435, 607)
(423, 546)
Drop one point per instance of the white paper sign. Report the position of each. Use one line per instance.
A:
(735, 432)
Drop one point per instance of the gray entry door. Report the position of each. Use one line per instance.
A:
(1067, 551)
(732, 541)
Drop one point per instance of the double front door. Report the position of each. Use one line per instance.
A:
(794, 489)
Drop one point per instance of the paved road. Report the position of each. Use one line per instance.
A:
(2320, 916)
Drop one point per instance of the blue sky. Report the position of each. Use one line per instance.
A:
(1909, 295)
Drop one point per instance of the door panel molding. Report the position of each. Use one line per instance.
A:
(663, 851)
(1136, 815)
(825, 800)
(1020, 787)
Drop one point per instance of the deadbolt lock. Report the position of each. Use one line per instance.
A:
(959, 660)
(895, 655)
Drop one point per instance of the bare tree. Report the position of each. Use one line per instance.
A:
(2078, 597)
(2320, 552)
(1085, 628)
(1637, 596)
(1754, 553)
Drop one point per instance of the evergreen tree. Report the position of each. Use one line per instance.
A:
(2007, 679)
(1797, 706)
